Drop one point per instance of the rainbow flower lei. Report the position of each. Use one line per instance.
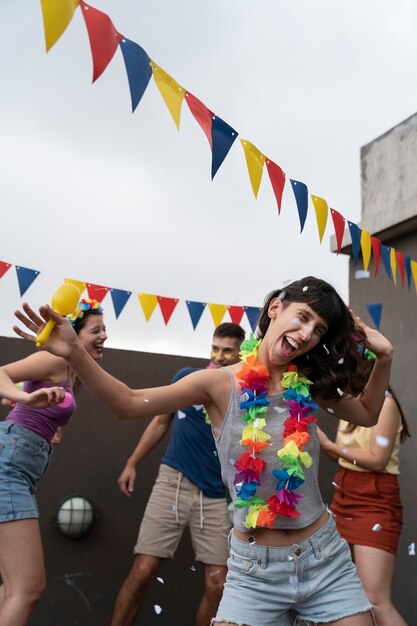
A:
(250, 465)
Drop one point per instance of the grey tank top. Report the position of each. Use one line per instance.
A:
(229, 449)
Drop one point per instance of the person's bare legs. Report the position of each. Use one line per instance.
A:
(214, 577)
(376, 571)
(22, 569)
(129, 598)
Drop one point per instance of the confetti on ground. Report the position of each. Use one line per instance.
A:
(376, 527)
(381, 441)
(160, 580)
(157, 609)
(215, 573)
(359, 274)
(412, 549)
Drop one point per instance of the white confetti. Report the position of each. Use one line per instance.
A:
(232, 461)
(244, 397)
(181, 415)
(330, 410)
(192, 568)
(349, 519)
(215, 452)
(359, 274)
(325, 347)
(215, 573)
(174, 508)
(287, 282)
(282, 294)
(341, 361)
(335, 485)
(198, 407)
(412, 549)
(160, 580)
(291, 558)
(280, 409)
(339, 391)
(381, 441)
(388, 394)
(376, 527)
(293, 580)
(305, 288)
(157, 609)
(146, 400)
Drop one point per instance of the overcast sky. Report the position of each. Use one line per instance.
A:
(91, 192)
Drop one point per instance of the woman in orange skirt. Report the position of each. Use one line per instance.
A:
(367, 502)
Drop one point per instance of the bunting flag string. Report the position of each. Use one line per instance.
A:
(104, 40)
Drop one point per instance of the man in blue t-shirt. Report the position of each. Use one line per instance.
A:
(189, 491)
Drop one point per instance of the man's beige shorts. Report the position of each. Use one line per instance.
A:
(176, 503)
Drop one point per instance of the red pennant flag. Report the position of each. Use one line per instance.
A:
(277, 178)
(401, 265)
(167, 306)
(376, 249)
(236, 313)
(202, 115)
(339, 227)
(97, 292)
(3, 268)
(103, 37)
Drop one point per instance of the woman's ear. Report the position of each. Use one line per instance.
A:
(274, 307)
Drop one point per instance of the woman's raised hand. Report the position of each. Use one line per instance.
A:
(62, 339)
(376, 342)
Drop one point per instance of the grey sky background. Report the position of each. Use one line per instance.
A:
(91, 192)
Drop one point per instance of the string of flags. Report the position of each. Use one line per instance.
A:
(148, 302)
(105, 40)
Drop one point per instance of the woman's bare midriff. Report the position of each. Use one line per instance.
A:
(282, 538)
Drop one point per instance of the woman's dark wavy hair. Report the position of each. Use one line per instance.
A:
(80, 322)
(332, 365)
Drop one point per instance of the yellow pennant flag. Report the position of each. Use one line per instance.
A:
(171, 91)
(57, 14)
(366, 248)
(217, 312)
(78, 283)
(148, 303)
(393, 263)
(322, 211)
(414, 273)
(255, 162)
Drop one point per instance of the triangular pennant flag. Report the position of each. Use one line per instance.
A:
(78, 283)
(414, 272)
(253, 313)
(339, 227)
(202, 115)
(222, 136)
(4, 267)
(56, 17)
(407, 263)
(97, 292)
(255, 163)
(25, 278)
(375, 311)
(301, 197)
(217, 312)
(386, 259)
(355, 235)
(119, 298)
(171, 92)
(195, 310)
(376, 251)
(401, 266)
(167, 306)
(148, 302)
(322, 211)
(393, 265)
(277, 178)
(103, 37)
(366, 248)
(138, 69)
(236, 313)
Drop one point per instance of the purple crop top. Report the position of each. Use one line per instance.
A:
(44, 422)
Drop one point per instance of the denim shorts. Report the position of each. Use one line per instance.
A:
(24, 458)
(311, 582)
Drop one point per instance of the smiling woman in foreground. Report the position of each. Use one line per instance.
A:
(287, 560)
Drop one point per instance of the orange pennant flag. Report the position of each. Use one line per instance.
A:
(78, 283)
(171, 91)
(255, 163)
(217, 313)
(322, 211)
(148, 302)
(57, 14)
(366, 248)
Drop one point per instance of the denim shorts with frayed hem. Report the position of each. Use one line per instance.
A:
(24, 457)
(314, 580)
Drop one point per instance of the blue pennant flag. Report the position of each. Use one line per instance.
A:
(222, 136)
(407, 263)
(195, 310)
(252, 313)
(119, 298)
(355, 235)
(138, 68)
(375, 311)
(301, 197)
(386, 254)
(25, 277)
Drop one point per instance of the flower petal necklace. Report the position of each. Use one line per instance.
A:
(254, 404)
